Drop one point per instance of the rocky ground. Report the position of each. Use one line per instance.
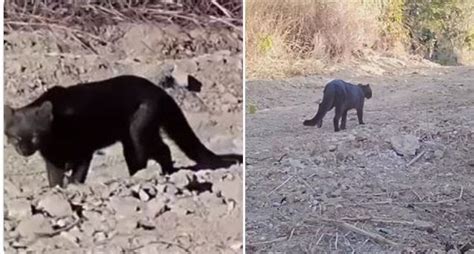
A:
(403, 182)
(187, 212)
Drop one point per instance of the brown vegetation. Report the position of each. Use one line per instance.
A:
(89, 15)
(286, 38)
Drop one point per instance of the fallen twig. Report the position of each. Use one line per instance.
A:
(416, 223)
(224, 10)
(279, 186)
(162, 242)
(281, 157)
(89, 15)
(279, 239)
(72, 30)
(459, 197)
(415, 159)
(347, 226)
(58, 231)
(307, 185)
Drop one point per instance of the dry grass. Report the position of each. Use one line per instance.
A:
(90, 15)
(286, 38)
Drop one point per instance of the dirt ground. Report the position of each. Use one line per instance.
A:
(311, 190)
(187, 212)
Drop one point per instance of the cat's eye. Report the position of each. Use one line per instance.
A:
(35, 139)
(14, 140)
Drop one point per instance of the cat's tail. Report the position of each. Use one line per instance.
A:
(179, 130)
(326, 105)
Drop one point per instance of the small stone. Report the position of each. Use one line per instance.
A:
(453, 251)
(425, 225)
(181, 178)
(161, 188)
(61, 223)
(10, 189)
(360, 138)
(70, 237)
(121, 241)
(156, 207)
(149, 189)
(124, 206)
(231, 204)
(171, 189)
(332, 148)
(35, 224)
(88, 228)
(146, 224)
(296, 163)
(384, 231)
(471, 163)
(146, 174)
(55, 205)
(210, 198)
(229, 98)
(143, 195)
(100, 236)
(318, 160)
(135, 188)
(228, 176)
(405, 144)
(237, 246)
(18, 208)
(183, 206)
(93, 216)
(126, 225)
(439, 154)
(8, 225)
(340, 156)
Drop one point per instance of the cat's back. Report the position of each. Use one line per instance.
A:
(338, 84)
(125, 86)
(118, 95)
(126, 89)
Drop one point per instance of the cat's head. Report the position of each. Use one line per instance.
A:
(26, 127)
(367, 90)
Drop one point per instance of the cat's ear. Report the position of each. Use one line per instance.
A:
(45, 111)
(194, 85)
(8, 113)
(368, 85)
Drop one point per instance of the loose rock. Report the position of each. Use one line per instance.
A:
(18, 208)
(181, 178)
(155, 207)
(124, 207)
(55, 205)
(405, 144)
(33, 225)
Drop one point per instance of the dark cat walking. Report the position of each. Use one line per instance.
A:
(67, 125)
(343, 96)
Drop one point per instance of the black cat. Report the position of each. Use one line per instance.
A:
(343, 96)
(67, 125)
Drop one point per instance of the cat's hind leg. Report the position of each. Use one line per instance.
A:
(56, 173)
(344, 119)
(134, 142)
(360, 114)
(80, 168)
(337, 116)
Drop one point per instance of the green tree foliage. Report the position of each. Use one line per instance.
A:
(439, 27)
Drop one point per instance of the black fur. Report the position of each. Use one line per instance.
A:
(67, 125)
(343, 96)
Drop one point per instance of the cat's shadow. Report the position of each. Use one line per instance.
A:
(230, 160)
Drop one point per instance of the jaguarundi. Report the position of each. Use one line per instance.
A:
(343, 96)
(68, 124)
